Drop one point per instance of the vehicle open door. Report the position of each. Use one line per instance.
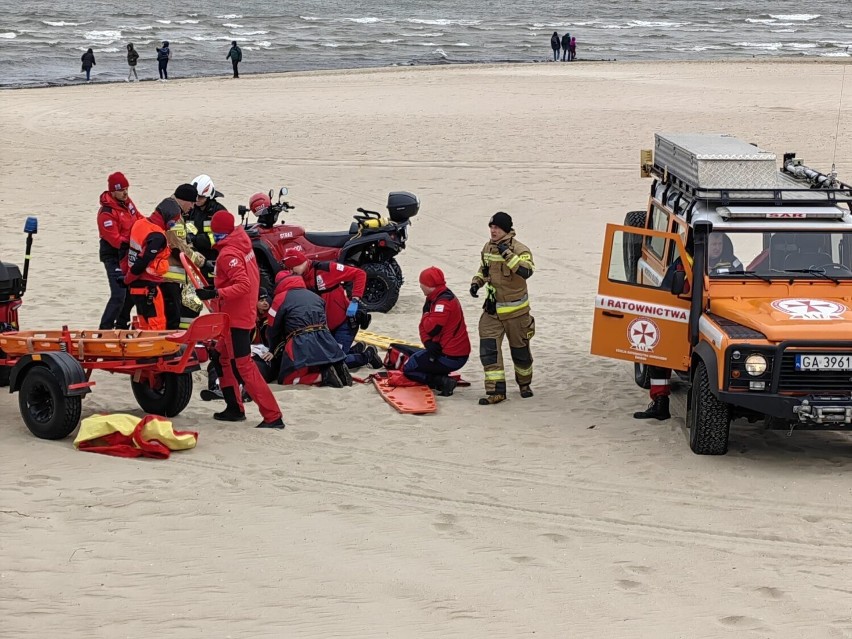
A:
(641, 323)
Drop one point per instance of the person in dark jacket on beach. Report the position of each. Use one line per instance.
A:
(132, 58)
(554, 44)
(164, 54)
(572, 49)
(304, 350)
(235, 55)
(566, 43)
(88, 60)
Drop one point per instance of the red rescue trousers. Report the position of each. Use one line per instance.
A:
(236, 346)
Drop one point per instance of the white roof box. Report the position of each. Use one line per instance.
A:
(715, 161)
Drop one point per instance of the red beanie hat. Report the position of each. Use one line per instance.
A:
(222, 222)
(433, 277)
(293, 257)
(117, 182)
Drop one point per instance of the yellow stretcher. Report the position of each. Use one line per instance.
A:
(382, 341)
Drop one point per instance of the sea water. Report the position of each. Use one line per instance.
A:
(41, 42)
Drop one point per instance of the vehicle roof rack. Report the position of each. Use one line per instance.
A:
(726, 170)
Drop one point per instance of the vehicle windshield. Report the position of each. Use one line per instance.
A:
(780, 254)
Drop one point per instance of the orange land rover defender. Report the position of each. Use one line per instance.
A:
(738, 277)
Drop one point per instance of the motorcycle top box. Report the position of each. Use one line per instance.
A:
(402, 205)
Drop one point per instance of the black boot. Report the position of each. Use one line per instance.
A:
(343, 375)
(329, 378)
(232, 412)
(445, 385)
(657, 409)
(373, 358)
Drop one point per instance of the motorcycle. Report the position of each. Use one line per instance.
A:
(371, 243)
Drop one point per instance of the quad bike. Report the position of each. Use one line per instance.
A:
(371, 243)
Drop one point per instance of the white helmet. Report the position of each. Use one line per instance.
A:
(204, 186)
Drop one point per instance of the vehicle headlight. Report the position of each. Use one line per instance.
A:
(755, 364)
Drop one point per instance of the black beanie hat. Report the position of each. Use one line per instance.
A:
(186, 192)
(502, 221)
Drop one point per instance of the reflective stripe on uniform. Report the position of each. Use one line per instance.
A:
(492, 257)
(495, 376)
(504, 308)
(513, 261)
(526, 257)
(523, 371)
(659, 382)
(175, 274)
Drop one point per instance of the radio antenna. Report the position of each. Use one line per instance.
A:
(839, 108)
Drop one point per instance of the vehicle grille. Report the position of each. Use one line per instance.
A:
(792, 380)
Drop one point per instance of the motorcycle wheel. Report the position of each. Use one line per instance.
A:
(382, 291)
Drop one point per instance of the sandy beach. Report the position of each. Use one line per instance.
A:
(557, 516)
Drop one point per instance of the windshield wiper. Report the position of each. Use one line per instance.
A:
(813, 271)
(751, 274)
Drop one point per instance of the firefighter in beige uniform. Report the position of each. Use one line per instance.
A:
(505, 267)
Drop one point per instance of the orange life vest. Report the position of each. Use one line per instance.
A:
(159, 266)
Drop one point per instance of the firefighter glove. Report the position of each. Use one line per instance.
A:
(207, 293)
(503, 248)
(473, 290)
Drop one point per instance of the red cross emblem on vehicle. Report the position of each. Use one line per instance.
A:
(808, 309)
(643, 334)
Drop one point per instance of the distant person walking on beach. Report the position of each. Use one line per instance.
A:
(132, 58)
(235, 55)
(164, 54)
(88, 60)
(566, 42)
(572, 49)
(554, 44)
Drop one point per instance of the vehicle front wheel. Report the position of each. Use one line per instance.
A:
(46, 411)
(383, 284)
(167, 397)
(708, 418)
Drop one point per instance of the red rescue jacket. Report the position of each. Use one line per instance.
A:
(115, 219)
(443, 324)
(237, 279)
(326, 279)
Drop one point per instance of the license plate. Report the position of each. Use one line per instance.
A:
(824, 362)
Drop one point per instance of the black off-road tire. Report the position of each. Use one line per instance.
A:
(46, 411)
(397, 270)
(642, 375)
(169, 399)
(383, 286)
(709, 419)
(632, 245)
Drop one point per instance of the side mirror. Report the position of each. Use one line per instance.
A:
(31, 225)
(283, 191)
(242, 210)
(679, 282)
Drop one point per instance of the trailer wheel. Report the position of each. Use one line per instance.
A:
(632, 245)
(709, 419)
(46, 411)
(642, 375)
(169, 395)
